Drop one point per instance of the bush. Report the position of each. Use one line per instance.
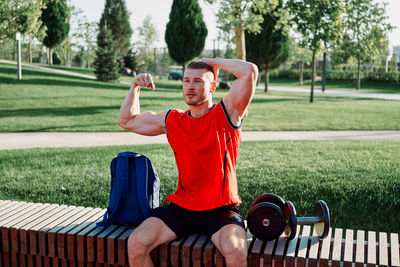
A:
(392, 77)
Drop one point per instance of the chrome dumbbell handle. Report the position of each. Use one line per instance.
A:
(309, 220)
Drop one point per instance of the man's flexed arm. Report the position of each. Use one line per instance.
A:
(242, 89)
(130, 117)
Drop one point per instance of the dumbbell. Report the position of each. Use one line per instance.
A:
(270, 216)
(321, 219)
(265, 219)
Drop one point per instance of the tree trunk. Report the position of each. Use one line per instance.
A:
(50, 56)
(240, 44)
(312, 77)
(359, 75)
(30, 50)
(301, 73)
(266, 79)
(183, 70)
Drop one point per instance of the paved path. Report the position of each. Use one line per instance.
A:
(82, 139)
(260, 87)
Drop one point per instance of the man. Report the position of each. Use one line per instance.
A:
(205, 141)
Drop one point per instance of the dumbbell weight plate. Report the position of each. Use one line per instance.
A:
(291, 220)
(271, 198)
(321, 210)
(265, 221)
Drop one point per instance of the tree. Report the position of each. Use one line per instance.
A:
(147, 36)
(105, 64)
(55, 16)
(19, 16)
(116, 16)
(270, 47)
(366, 30)
(186, 31)
(241, 15)
(318, 21)
(299, 56)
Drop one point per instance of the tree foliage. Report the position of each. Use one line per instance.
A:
(55, 17)
(147, 36)
(186, 31)
(319, 22)
(19, 16)
(105, 64)
(270, 47)
(116, 16)
(366, 31)
(246, 15)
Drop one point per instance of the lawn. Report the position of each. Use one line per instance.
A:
(359, 180)
(45, 101)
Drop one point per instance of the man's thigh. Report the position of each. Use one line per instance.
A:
(153, 232)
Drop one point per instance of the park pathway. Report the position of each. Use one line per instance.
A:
(83, 139)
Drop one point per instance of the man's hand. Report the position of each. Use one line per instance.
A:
(144, 80)
(212, 63)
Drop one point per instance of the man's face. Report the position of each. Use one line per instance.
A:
(197, 86)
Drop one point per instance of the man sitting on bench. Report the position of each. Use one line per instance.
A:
(205, 141)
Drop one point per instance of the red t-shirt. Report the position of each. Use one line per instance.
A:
(205, 151)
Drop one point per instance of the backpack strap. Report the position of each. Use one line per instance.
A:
(142, 184)
(122, 186)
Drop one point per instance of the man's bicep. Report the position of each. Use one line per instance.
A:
(239, 96)
(148, 123)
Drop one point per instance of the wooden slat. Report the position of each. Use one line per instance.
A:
(112, 245)
(12, 209)
(325, 249)
(101, 242)
(38, 234)
(302, 251)
(198, 248)
(337, 247)
(292, 248)
(81, 240)
(348, 248)
(52, 233)
(279, 251)
(268, 253)
(187, 250)
(219, 259)
(176, 252)
(383, 250)
(394, 250)
(313, 251)
(62, 235)
(122, 246)
(165, 254)
(91, 244)
(24, 231)
(16, 220)
(72, 244)
(20, 228)
(208, 254)
(360, 247)
(371, 260)
(255, 252)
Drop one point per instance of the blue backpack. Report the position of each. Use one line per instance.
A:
(135, 190)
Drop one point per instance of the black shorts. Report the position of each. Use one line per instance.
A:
(185, 222)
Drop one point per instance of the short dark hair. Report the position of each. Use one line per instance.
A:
(199, 65)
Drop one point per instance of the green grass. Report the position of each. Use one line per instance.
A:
(71, 69)
(45, 101)
(359, 180)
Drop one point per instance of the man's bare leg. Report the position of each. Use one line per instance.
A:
(149, 235)
(231, 240)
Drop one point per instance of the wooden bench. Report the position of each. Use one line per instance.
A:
(35, 234)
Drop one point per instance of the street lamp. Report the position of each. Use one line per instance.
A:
(19, 72)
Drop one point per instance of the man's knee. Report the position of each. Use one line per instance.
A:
(235, 253)
(138, 244)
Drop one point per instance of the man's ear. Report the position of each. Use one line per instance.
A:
(213, 87)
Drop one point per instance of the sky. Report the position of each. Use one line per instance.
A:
(159, 12)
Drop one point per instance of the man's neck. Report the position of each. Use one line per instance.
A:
(200, 110)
